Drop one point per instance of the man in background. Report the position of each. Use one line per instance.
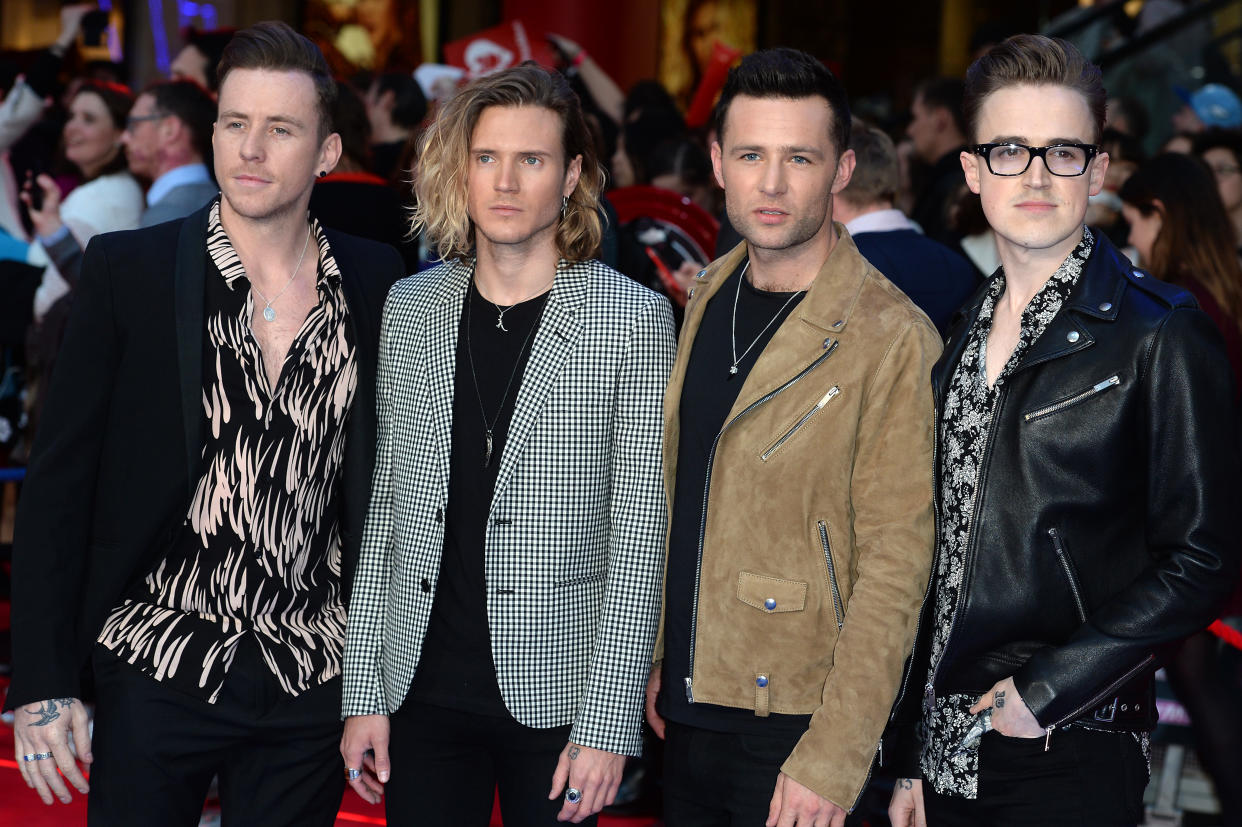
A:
(938, 131)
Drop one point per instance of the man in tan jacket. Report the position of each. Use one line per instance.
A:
(798, 470)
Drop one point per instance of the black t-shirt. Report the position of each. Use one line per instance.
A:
(706, 399)
(456, 668)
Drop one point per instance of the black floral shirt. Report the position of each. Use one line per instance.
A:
(965, 426)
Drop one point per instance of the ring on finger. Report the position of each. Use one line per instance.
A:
(38, 756)
(353, 774)
(573, 795)
(28, 757)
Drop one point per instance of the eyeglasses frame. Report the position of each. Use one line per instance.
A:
(1034, 152)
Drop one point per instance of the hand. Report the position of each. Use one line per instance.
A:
(71, 20)
(794, 805)
(594, 773)
(46, 219)
(906, 807)
(364, 746)
(564, 45)
(653, 692)
(45, 727)
(1010, 715)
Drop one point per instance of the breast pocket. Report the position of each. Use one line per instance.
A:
(1079, 397)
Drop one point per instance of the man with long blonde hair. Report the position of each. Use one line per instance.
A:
(508, 592)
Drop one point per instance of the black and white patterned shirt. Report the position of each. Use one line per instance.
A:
(259, 552)
(966, 424)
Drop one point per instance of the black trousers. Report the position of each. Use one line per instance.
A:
(448, 764)
(1086, 779)
(156, 749)
(720, 779)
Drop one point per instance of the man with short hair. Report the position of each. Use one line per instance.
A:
(938, 132)
(395, 107)
(200, 56)
(1087, 475)
(797, 449)
(191, 516)
(508, 592)
(935, 278)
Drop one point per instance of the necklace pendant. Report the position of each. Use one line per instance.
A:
(500, 323)
(487, 457)
(269, 313)
(733, 370)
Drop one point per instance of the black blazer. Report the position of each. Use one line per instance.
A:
(117, 455)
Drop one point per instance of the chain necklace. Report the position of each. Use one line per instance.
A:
(501, 311)
(733, 338)
(269, 312)
(489, 427)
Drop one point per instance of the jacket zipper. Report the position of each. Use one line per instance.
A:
(1073, 400)
(832, 576)
(1110, 689)
(707, 484)
(1069, 573)
(929, 692)
(824, 400)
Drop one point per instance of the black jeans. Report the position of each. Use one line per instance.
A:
(447, 765)
(156, 749)
(1086, 779)
(720, 779)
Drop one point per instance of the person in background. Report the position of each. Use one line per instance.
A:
(198, 59)
(938, 132)
(1180, 229)
(1221, 150)
(935, 278)
(395, 107)
(1213, 106)
(354, 200)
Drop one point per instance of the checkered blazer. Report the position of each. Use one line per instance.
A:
(575, 537)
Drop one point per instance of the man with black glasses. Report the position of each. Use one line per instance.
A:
(1086, 481)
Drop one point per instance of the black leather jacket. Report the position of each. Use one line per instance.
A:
(1106, 516)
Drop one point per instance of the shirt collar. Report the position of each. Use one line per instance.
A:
(178, 177)
(881, 221)
(220, 248)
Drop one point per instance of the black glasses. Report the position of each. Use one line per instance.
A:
(1064, 160)
(134, 120)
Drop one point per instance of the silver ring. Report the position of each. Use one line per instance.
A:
(41, 756)
(352, 774)
(29, 757)
(573, 795)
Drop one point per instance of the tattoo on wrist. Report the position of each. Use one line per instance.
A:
(905, 783)
(573, 753)
(999, 700)
(49, 710)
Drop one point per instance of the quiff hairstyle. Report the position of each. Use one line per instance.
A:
(877, 176)
(444, 154)
(1034, 60)
(275, 46)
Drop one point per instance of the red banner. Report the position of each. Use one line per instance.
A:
(497, 48)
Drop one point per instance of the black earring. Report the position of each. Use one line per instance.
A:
(323, 173)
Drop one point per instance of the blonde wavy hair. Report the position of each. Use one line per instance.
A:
(444, 151)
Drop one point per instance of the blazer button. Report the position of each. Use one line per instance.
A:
(439, 515)
(761, 681)
(425, 585)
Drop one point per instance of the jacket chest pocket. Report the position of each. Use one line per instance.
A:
(771, 595)
(804, 419)
(1077, 398)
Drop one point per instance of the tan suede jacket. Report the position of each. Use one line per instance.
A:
(818, 535)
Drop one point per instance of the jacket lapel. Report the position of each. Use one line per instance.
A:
(439, 343)
(554, 342)
(189, 281)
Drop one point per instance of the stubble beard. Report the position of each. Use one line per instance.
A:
(804, 227)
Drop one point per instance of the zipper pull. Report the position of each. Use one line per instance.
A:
(689, 692)
(1048, 737)
(833, 391)
(1107, 383)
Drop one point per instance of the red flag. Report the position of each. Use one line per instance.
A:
(497, 48)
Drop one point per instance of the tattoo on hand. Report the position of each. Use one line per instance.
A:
(905, 783)
(999, 700)
(573, 753)
(48, 711)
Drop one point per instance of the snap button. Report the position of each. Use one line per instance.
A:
(1125, 707)
(838, 322)
(761, 681)
(1138, 274)
(1106, 306)
(769, 604)
(1072, 336)
(701, 274)
(425, 585)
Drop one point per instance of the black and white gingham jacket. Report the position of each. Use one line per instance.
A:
(575, 538)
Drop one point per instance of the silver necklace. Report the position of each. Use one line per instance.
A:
(501, 311)
(269, 312)
(733, 338)
(489, 427)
